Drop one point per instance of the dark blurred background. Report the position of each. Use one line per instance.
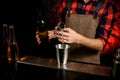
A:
(23, 15)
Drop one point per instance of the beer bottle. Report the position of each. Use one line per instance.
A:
(4, 43)
(13, 50)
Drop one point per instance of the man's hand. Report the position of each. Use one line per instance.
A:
(38, 37)
(51, 35)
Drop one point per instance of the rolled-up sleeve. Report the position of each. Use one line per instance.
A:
(108, 32)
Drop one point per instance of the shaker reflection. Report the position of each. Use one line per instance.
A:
(61, 74)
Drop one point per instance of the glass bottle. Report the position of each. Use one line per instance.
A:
(42, 29)
(4, 46)
(13, 50)
(116, 66)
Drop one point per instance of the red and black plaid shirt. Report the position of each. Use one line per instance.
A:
(114, 38)
(106, 27)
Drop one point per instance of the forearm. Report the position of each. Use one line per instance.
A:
(95, 44)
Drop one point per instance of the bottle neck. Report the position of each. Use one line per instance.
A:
(5, 32)
(12, 39)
